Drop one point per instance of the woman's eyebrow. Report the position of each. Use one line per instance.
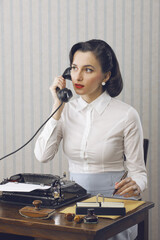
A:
(88, 65)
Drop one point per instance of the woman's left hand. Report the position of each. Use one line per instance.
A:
(127, 188)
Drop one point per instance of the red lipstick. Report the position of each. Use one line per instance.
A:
(79, 86)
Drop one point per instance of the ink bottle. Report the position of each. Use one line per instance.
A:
(90, 217)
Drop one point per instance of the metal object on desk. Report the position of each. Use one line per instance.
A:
(101, 208)
(60, 193)
(90, 217)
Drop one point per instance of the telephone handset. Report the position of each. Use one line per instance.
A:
(65, 94)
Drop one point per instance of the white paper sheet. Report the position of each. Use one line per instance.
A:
(21, 187)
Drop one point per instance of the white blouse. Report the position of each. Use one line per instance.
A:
(96, 137)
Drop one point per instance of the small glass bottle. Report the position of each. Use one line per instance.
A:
(90, 217)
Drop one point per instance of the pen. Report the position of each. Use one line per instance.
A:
(123, 177)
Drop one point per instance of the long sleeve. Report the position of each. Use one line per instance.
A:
(48, 141)
(133, 147)
(95, 138)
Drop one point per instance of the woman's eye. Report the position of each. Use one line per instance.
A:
(89, 70)
(74, 68)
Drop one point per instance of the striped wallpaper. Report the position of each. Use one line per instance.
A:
(35, 38)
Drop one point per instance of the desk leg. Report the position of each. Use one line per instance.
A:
(143, 228)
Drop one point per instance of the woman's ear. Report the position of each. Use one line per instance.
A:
(107, 76)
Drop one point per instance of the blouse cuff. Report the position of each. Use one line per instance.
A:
(141, 183)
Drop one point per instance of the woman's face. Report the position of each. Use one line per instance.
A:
(87, 76)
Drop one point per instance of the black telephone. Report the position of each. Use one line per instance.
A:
(65, 94)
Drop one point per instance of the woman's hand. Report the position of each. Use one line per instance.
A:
(59, 82)
(127, 188)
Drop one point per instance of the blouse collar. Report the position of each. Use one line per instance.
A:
(99, 104)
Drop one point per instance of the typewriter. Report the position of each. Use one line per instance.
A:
(61, 192)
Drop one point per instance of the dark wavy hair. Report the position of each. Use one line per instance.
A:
(108, 61)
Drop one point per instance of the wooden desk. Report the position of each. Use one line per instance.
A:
(58, 228)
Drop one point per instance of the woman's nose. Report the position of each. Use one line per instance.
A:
(79, 75)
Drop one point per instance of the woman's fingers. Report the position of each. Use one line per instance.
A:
(59, 82)
(130, 191)
(127, 188)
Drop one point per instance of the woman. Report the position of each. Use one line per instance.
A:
(97, 129)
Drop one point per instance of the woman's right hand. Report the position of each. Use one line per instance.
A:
(59, 82)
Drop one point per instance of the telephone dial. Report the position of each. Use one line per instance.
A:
(65, 94)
